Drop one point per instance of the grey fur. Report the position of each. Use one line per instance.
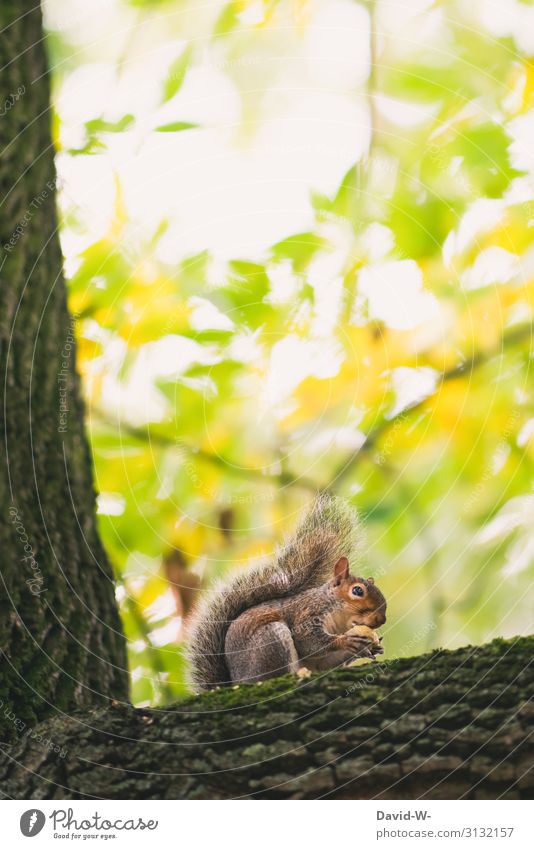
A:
(330, 530)
(272, 642)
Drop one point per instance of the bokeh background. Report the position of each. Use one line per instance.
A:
(298, 238)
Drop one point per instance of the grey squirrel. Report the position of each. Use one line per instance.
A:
(293, 612)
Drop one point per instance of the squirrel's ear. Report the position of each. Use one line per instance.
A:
(370, 580)
(341, 570)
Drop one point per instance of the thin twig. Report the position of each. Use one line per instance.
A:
(154, 436)
(468, 366)
(286, 479)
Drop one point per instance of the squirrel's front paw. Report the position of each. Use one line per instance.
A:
(369, 641)
(360, 646)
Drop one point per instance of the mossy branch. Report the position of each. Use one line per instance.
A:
(449, 724)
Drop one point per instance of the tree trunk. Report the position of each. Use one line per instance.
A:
(443, 725)
(61, 643)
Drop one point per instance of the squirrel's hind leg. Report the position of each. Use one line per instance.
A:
(266, 653)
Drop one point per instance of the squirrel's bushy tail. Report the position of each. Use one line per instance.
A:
(330, 530)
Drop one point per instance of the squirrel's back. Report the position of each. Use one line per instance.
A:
(330, 530)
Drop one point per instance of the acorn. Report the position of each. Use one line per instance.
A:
(367, 633)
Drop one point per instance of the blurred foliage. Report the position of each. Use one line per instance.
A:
(383, 350)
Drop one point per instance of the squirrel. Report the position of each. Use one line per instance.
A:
(293, 612)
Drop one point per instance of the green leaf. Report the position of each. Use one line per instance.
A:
(485, 153)
(91, 147)
(420, 228)
(103, 273)
(298, 248)
(228, 19)
(347, 202)
(347, 199)
(210, 335)
(177, 127)
(99, 125)
(243, 297)
(423, 83)
(176, 75)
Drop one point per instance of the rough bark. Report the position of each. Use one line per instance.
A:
(443, 725)
(61, 643)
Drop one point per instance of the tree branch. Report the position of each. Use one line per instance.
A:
(445, 725)
(152, 435)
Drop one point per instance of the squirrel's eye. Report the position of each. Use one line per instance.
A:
(357, 591)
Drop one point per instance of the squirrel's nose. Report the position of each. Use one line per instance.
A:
(379, 619)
